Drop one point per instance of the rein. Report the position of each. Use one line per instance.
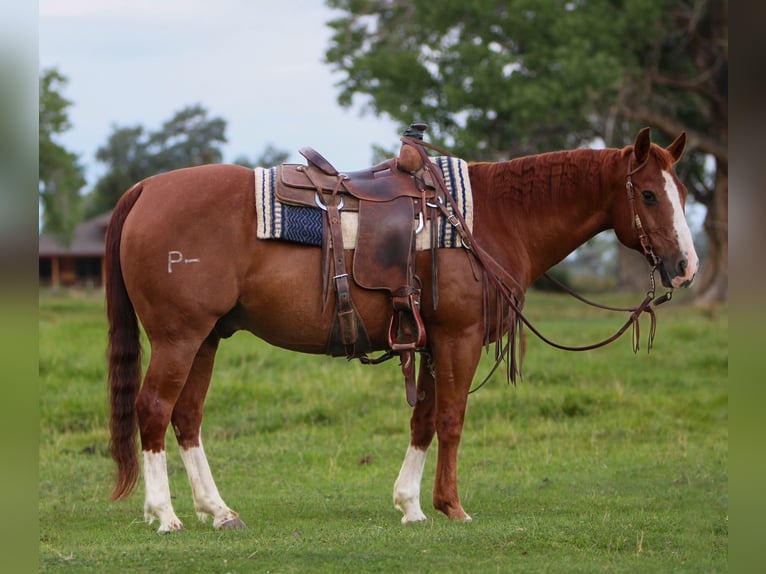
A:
(499, 276)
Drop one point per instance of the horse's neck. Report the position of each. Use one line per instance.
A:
(536, 210)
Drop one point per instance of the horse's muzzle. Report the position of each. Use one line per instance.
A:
(676, 276)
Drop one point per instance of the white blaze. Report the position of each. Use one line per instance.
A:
(681, 228)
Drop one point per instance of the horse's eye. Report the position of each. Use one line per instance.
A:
(649, 197)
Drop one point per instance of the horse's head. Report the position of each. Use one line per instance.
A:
(649, 217)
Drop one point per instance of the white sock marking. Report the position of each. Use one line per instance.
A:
(207, 499)
(407, 485)
(157, 502)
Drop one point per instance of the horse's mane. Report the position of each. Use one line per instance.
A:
(535, 180)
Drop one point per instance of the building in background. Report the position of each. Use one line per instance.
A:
(81, 264)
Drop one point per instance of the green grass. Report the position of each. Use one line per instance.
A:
(598, 461)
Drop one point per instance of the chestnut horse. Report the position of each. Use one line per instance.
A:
(183, 258)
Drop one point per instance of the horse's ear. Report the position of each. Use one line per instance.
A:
(676, 149)
(642, 145)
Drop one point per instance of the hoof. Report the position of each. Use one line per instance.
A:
(414, 519)
(460, 517)
(454, 512)
(234, 523)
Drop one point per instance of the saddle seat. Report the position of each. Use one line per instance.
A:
(392, 201)
(380, 183)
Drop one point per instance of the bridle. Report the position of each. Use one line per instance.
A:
(502, 280)
(643, 235)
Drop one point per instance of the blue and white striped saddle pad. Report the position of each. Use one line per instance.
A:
(300, 224)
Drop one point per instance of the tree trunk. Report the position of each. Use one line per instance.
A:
(712, 285)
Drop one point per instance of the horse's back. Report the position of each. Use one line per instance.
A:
(191, 261)
(198, 193)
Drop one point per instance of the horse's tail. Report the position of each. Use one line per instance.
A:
(124, 352)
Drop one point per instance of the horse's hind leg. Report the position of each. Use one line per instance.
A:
(422, 429)
(187, 420)
(165, 378)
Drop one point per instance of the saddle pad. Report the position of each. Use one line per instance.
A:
(276, 220)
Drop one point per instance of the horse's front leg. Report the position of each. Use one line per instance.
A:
(456, 357)
(407, 485)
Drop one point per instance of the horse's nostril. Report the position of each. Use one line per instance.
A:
(682, 265)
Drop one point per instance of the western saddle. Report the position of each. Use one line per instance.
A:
(393, 201)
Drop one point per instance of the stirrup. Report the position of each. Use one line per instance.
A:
(406, 331)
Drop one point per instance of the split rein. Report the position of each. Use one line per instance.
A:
(495, 273)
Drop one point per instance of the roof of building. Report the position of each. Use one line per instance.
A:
(88, 240)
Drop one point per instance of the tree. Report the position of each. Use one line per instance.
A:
(189, 138)
(269, 157)
(684, 85)
(494, 81)
(60, 175)
(500, 80)
(131, 154)
(127, 157)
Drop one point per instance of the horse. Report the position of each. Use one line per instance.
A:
(182, 257)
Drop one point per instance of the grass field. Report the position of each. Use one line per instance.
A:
(603, 461)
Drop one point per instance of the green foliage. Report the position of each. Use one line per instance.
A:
(495, 81)
(501, 80)
(560, 273)
(599, 461)
(269, 157)
(53, 105)
(60, 174)
(131, 153)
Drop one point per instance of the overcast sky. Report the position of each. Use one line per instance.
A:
(255, 63)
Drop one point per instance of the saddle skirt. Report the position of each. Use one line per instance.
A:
(301, 224)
